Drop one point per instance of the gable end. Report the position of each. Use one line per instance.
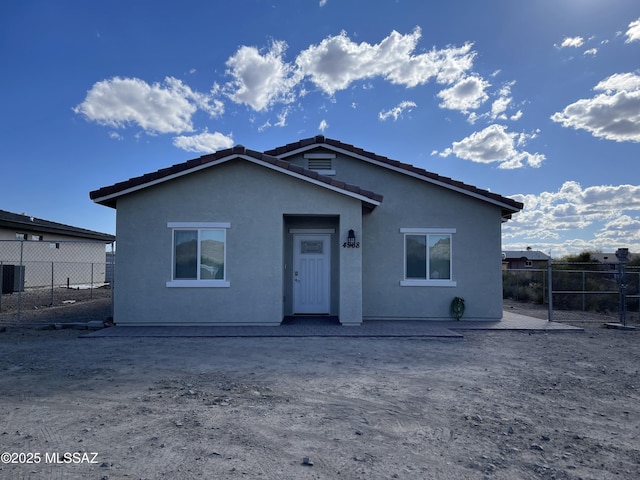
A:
(508, 205)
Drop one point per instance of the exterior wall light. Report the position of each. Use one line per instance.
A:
(351, 240)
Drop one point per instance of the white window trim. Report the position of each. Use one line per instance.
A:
(417, 282)
(198, 283)
(190, 283)
(197, 225)
(428, 231)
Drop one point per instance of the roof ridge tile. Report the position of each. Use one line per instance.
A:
(397, 164)
(273, 157)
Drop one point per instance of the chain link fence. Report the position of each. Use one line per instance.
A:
(56, 281)
(580, 292)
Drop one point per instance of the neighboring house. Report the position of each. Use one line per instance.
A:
(51, 252)
(241, 237)
(610, 259)
(514, 260)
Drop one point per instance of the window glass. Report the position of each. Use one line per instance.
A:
(211, 254)
(416, 256)
(311, 246)
(186, 254)
(439, 257)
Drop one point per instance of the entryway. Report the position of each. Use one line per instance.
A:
(311, 274)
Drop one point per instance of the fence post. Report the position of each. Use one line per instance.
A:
(91, 289)
(52, 283)
(584, 306)
(113, 279)
(21, 283)
(549, 281)
(622, 294)
(1, 275)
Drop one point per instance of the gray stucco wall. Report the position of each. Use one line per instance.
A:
(413, 203)
(255, 200)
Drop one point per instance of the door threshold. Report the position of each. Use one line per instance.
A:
(311, 319)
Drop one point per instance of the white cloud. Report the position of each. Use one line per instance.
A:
(282, 121)
(468, 94)
(323, 3)
(623, 230)
(397, 111)
(516, 116)
(605, 216)
(165, 107)
(261, 80)
(633, 34)
(572, 42)
(337, 61)
(613, 114)
(495, 144)
(323, 125)
(591, 51)
(204, 142)
(620, 82)
(499, 107)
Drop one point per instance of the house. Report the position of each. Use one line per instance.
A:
(241, 237)
(519, 259)
(611, 259)
(32, 245)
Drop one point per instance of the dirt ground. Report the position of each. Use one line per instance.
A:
(496, 405)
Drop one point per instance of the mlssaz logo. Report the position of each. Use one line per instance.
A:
(71, 457)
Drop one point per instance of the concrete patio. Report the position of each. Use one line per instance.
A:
(328, 327)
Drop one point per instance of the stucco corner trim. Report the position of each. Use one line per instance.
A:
(198, 284)
(428, 283)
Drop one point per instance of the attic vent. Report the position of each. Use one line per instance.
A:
(321, 162)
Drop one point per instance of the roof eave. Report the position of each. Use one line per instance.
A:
(59, 230)
(110, 200)
(321, 141)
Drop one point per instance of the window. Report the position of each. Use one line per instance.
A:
(199, 254)
(37, 238)
(427, 257)
(22, 236)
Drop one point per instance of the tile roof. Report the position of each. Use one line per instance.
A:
(107, 195)
(528, 254)
(275, 158)
(28, 223)
(320, 140)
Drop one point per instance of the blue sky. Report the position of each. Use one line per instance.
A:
(538, 101)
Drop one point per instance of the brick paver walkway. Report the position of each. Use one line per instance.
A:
(314, 328)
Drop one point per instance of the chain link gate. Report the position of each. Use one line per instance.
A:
(579, 292)
(57, 281)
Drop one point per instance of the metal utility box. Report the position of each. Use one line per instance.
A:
(12, 278)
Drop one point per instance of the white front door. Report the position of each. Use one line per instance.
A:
(311, 273)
